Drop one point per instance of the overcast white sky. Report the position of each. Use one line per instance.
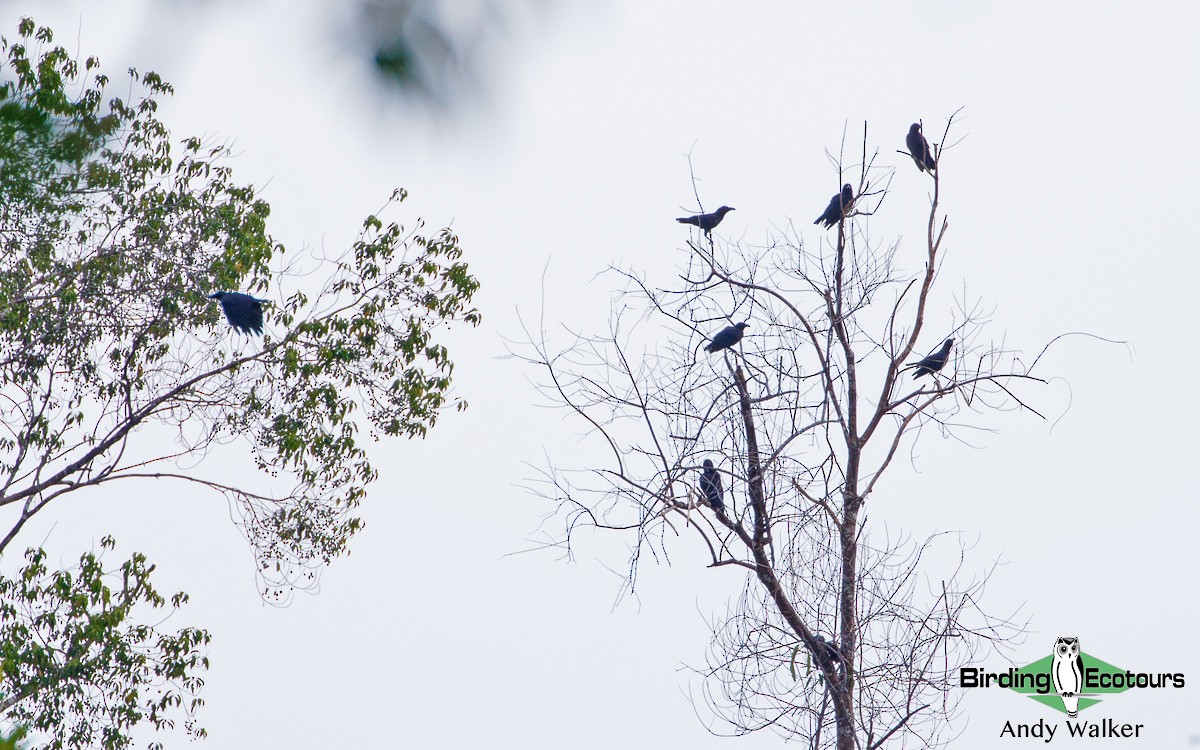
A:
(1069, 202)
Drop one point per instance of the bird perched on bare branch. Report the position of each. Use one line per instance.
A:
(918, 149)
(243, 312)
(838, 207)
(726, 337)
(707, 222)
(934, 362)
(710, 486)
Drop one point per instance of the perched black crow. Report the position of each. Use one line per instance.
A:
(830, 649)
(838, 207)
(919, 149)
(726, 337)
(934, 362)
(710, 485)
(243, 312)
(707, 222)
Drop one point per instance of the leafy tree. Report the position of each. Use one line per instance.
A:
(842, 636)
(77, 663)
(13, 740)
(116, 367)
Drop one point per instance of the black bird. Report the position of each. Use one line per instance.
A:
(838, 207)
(919, 149)
(934, 362)
(726, 337)
(710, 485)
(243, 312)
(707, 222)
(829, 648)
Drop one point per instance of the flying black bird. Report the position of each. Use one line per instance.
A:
(838, 207)
(934, 362)
(243, 312)
(726, 337)
(919, 149)
(710, 485)
(707, 222)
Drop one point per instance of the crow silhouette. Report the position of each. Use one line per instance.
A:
(838, 207)
(707, 222)
(919, 149)
(710, 485)
(243, 312)
(934, 362)
(726, 337)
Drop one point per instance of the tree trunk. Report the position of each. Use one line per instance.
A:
(838, 684)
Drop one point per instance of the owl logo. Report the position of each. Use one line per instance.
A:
(1067, 671)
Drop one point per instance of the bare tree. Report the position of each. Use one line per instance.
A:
(803, 419)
